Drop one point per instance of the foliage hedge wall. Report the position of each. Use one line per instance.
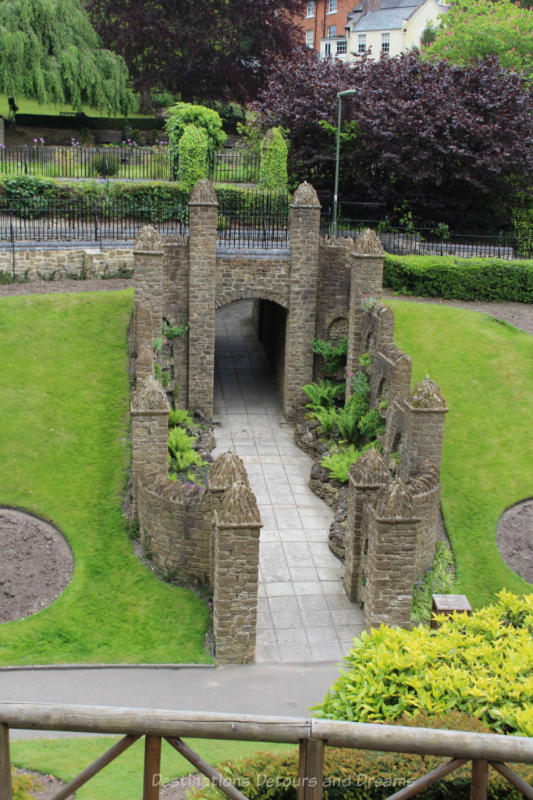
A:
(133, 196)
(460, 278)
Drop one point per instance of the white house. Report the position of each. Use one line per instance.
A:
(382, 26)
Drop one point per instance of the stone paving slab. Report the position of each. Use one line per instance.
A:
(304, 614)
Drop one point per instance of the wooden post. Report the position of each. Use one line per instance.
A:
(152, 767)
(5, 764)
(310, 769)
(480, 780)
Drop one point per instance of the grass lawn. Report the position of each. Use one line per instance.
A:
(64, 405)
(122, 779)
(485, 371)
(27, 106)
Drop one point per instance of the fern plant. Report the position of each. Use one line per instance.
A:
(327, 418)
(322, 394)
(179, 441)
(347, 422)
(181, 417)
(339, 461)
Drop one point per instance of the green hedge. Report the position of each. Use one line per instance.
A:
(360, 774)
(231, 197)
(192, 149)
(273, 166)
(460, 278)
(92, 123)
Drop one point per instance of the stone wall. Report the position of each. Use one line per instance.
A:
(176, 527)
(392, 522)
(326, 289)
(204, 537)
(60, 264)
(242, 277)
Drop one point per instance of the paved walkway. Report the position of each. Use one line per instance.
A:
(265, 689)
(303, 611)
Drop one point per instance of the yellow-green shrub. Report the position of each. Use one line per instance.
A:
(480, 665)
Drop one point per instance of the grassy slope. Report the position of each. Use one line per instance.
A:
(64, 399)
(27, 106)
(122, 780)
(485, 371)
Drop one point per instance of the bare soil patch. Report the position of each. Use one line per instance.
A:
(514, 537)
(46, 786)
(37, 564)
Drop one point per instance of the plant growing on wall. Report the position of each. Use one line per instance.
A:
(185, 464)
(333, 353)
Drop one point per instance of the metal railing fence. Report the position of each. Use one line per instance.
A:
(122, 162)
(438, 241)
(259, 221)
(42, 220)
(255, 219)
(234, 166)
(312, 736)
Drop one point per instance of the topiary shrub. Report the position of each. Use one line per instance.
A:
(273, 165)
(192, 152)
(105, 164)
(183, 114)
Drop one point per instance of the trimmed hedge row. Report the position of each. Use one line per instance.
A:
(231, 197)
(460, 278)
(93, 123)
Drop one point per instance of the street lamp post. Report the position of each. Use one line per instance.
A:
(340, 95)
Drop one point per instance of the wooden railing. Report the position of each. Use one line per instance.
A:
(312, 735)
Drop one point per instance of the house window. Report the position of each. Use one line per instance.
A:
(310, 9)
(361, 43)
(332, 6)
(341, 47)
(385, 42)
(309, 38)
(327, 49)
(332, 31)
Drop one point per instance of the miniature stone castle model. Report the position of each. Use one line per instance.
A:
(318, 288)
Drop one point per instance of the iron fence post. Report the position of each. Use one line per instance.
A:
(12, 235)
(25, 159)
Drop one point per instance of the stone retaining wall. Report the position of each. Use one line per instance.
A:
(61, 264)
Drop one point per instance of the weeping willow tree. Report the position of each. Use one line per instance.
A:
(50, 52)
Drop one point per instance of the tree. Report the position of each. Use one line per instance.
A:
(206, 49)
(444, 139)
(49, 51)
(474, 29)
